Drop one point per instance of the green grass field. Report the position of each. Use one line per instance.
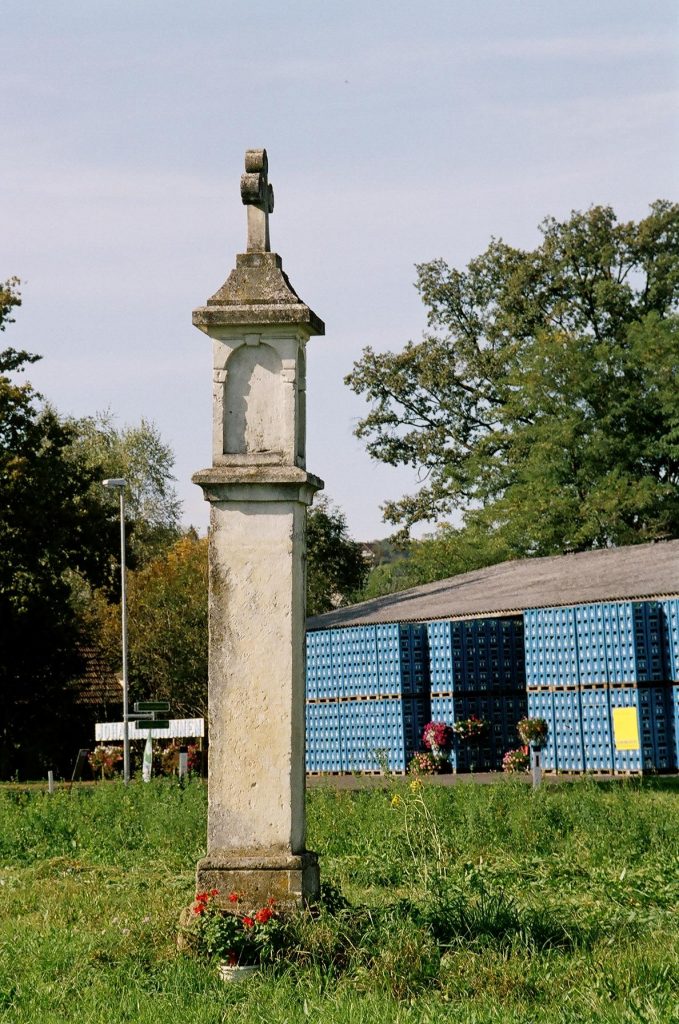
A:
(472, 904)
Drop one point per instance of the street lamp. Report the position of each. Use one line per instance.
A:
(118, 484)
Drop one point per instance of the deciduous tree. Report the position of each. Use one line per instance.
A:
(140, 456)
(336, 567)
(168, 633)
(50, 526)
(168, 607)
(543, 403)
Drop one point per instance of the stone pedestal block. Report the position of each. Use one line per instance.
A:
(292, 880)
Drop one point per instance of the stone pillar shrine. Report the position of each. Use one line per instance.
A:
(259, 490)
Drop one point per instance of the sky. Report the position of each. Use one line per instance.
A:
(397, 133)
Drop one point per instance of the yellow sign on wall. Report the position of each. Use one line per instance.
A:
(626, 728)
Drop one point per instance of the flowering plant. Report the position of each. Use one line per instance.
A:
(233, 937)
(422, 764)
(438, 738)
(471, 728)
(533, 731)
(169, 759)
(515, 760)
(105, 760)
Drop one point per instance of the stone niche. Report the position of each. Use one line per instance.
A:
(259, 400)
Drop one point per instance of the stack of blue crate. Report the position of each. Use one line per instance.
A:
(581, 664)
(367, 697)
(371, 689)
(477, 669)
(670, 615)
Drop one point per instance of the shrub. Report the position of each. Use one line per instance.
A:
(533, 731)
(516, 760)
(105, 761)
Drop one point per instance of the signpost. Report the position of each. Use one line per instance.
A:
(152, 723)
(152, 708)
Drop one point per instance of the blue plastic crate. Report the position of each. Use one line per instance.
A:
(673, 737)
(596, 730)
(323, 749)
(652, 705)
(669, 611)
(443, 709)
(568, 731)
(541, 705)
(550, 647)
(476, 656)
(627, 760)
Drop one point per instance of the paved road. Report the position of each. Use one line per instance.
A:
(484, 778)
(352, 782)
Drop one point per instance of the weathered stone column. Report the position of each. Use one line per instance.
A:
(258, 490)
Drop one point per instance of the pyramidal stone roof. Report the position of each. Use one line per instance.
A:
(639, 572)
(257, 291)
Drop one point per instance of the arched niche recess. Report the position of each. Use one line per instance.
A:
(254, 414)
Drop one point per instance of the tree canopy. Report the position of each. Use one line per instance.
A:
(50, 526)
(140, 456)
(168, 631)
(542, 405)
(336, 568)
(168, 609)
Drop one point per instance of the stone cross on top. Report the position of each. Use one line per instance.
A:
(257, 194)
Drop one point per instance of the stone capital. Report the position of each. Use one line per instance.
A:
(261, 483)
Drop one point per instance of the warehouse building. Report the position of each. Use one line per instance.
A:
(588, 641)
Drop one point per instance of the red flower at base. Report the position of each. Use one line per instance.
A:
(201, 903)
(263, 915)
(248, 922)
(234, 897)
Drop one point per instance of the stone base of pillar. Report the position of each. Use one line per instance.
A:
(291, 879)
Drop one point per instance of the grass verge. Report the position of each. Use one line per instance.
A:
(478, 904)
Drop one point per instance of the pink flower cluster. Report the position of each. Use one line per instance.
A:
(422, 764)
(437, 737)
(515, 760)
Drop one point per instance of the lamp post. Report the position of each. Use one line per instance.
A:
(118, 484)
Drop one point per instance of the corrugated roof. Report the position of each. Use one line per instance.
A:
(643, 571)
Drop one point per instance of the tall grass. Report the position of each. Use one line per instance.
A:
(104, 824)
(477, 904)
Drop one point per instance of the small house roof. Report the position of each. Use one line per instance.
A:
(97, 685)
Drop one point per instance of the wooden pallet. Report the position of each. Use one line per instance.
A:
(357, 772)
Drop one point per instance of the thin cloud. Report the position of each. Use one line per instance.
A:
(581, 47)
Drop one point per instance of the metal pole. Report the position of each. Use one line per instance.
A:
(536, 766)
(123, 607)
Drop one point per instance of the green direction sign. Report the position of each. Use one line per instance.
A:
(152, 723)
(151, 705)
